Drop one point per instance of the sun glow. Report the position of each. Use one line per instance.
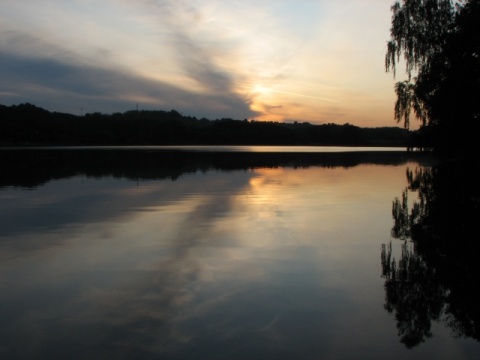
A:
(272, 102)
(261, 90)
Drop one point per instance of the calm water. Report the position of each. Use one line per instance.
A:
(147, 253)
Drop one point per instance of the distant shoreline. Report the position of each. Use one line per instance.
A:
(27, 125)
(221, 148)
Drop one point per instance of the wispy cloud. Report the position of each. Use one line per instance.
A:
(202, 57)
(67, 87)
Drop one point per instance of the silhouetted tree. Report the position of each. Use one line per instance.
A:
(440, 44)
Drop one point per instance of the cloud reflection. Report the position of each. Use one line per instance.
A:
(142, 310)
(215, 264)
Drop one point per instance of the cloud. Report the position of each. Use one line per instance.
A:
(67, 87)
(97, 79)
(202, 57)
(196, 45)
(228, 48)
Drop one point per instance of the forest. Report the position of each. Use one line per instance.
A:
(29, 125)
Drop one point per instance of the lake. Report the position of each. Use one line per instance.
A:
(223, 253)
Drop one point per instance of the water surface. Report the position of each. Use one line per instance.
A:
(166, 254)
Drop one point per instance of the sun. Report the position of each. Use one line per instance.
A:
(261, 90)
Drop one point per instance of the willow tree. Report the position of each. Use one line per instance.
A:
(439, 43)
(418, 32)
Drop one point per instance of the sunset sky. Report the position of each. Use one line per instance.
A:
(319, 61)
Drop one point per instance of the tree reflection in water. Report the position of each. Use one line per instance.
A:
(437, 275)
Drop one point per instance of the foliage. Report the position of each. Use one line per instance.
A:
(419, 29)
(440, 44)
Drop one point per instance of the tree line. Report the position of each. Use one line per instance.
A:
(29, 125)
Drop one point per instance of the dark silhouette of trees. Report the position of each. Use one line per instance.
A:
(437, 276)
(440, 44)
(26, 124)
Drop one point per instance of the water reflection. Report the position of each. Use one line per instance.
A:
(152, 254)
(33, 167)
(437, 274)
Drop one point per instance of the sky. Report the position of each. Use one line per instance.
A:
(316, 61)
